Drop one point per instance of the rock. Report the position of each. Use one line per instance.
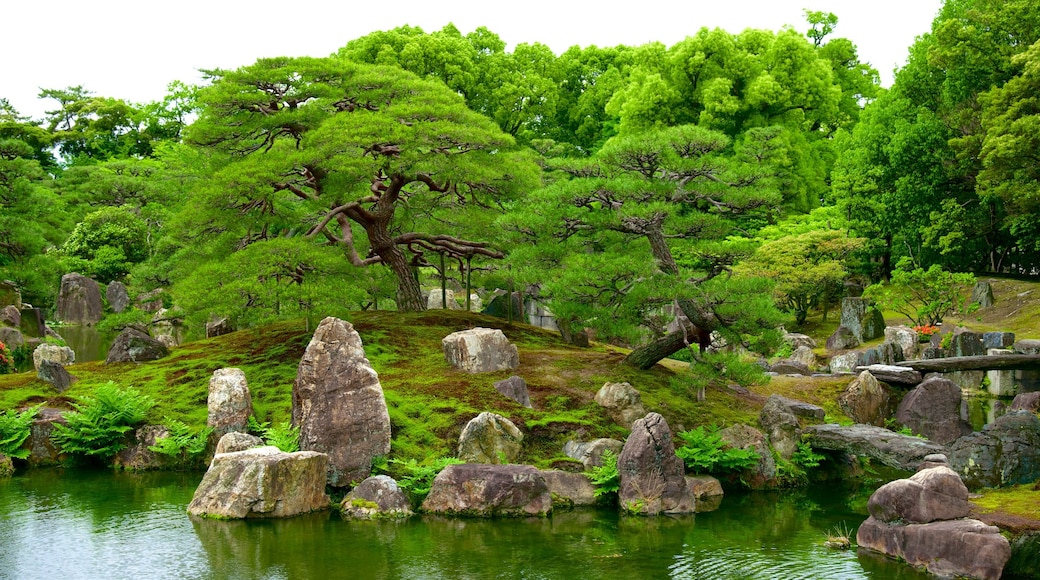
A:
(480, 350)
(622, 402)
(842, 339)
(10, 315)
(472, 489)
(652, 475)
(861, 317)
(6, 466)
(888, 353)
(704, 486)
(9, 294)
(763, 474)
(805, 356)
(867, 401)
(780, 426)
(117, 296)
(475, 303)
(377, 497)
(948, 549)
(903, 452)
(893, 374)
(1006, 452)
(845, 362)
(982, 294)
(1026, 402)
(137, 456)
(219, 327)
(1027, 346)
(569, 489)
(151, 301)
(490, 438)
(500, 305)
(514, 388)
(933, 409)
(62, 355)
(797, 340)
(43, 452)
(237, 441)
(436, 301)
(338, 403)
(230, 403)
(55, 374)
(790, 367)
(929, 495)
(934, 460)
(998, 339)
(262, 483)
(905, 337)
(932, 353)
(591, 453)
(132, 345)
(11, 337)
(802, 409)
(79, 300)
(967, 344)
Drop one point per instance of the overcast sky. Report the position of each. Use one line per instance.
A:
(131, 49)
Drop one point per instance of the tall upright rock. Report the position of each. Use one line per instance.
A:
(652, 476)
(338, 404)
(79, 300)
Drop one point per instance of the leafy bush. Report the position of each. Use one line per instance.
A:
(925, 296)
(417, 478)
(704, 451)
(6, 360)
(14, 430)
(99, 426)
(183, 444)
(606, 478)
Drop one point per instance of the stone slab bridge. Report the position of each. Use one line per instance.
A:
(910, 372)
(887, 447)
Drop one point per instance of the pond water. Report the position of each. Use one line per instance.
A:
(103, 524)
(86, 341)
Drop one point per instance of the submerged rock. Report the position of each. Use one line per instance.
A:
(472, 489)
(377, 497)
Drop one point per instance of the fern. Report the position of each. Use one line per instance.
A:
(99, 426)
(418, 478)
(14, 430)
(283, 436)
(705, 452)
(183, 442)
(605, 478)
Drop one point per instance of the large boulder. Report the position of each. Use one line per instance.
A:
(1026, 402)
(132, 345)
(490, 438)
(866, 400)
(982, 294)
(79, 300)
(861, 317)
(219, 326)
(1027, 346)
(264, 482)
(435, 300)
(842, 338)
(998, 339)
(237, 441)
(377, 497)
(805, 356)
(780, 426)
(763, 474)
(230, 403)
(652, 475)
(590, 453)
(801, 408)
(569, 489)
(845, 362)
(62, 355)
(502, 307)
(480, 350)
(929, 495)
(43, 451)
(32, 323)
(790, 367)
(796, 340)
(10, 315)
(11, 337)
(967, 344)
(905, 337)
(948, 549)
(707, 492)
(338, 403)
(889, 448)
(622, 402)
(473, 489)
(1006, 452)
(933, 409)
(137, 456)
(117, 296)
(514, 388)
(55, 374)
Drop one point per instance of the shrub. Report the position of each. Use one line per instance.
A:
(704, 451)
(99, 426)
(925, 296)
(283, 435)
(606, 478)
(417, 478)
(6, 360)
(183, 444)
(14, 430)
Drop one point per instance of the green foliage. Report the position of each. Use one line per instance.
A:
(925, 296)
(704, 451)
(805, 458)
(107, 243)
(183, 444)
(100, 424)
(7, 360)
(605, 478)
(117, 321)
(284, 436)
(417, 478)
(14, 430)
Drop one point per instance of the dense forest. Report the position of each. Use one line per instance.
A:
(738, 178)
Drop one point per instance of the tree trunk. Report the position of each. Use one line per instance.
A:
(649, 354)
(409, 293)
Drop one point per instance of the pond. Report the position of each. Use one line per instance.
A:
(103, 524)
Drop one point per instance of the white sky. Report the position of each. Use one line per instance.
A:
(131, 49)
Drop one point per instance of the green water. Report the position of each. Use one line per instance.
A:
(81, 524)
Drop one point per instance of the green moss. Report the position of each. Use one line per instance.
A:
(1019, 500)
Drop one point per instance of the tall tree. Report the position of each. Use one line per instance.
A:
(388, 167)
